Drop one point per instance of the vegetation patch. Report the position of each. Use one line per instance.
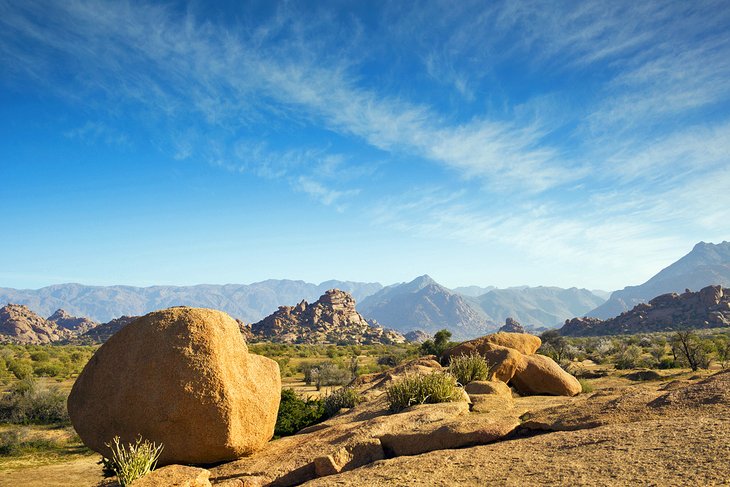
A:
(132, 461)
(28, 403)
(585, 386)
(296, 413)
(346, 397)
(422, 389)
(468, 368)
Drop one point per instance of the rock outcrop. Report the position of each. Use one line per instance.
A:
(182, 377)
(707, 308)
(331, 319)
(78, 325)
(512, 326)
(18, 324)
(707, 264)
(513, 359)
(417, 336)
(103, 332)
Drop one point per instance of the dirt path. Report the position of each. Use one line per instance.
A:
(78, 473)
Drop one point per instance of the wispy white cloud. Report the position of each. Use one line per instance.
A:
(94, 132)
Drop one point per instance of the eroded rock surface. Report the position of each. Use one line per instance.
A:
(331, 319)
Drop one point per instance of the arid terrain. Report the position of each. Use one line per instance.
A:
(669, 431)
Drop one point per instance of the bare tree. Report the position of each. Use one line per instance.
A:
(687, 346)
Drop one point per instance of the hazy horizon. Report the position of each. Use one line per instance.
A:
(507, 144)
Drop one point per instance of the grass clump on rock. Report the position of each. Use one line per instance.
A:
(468, 368)
(133, 461)
(422, 389)
(345, 397)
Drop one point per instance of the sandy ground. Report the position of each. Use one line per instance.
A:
(81, 472)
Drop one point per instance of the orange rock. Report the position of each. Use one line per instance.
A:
(522, 342)
(182, 377)
(541, 375)
(177, 475)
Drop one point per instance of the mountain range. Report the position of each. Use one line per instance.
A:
(421, 304)
(248, 302)
(707, 264)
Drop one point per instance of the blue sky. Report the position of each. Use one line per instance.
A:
(492, 143)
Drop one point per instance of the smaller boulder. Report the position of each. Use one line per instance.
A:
(494, 387)
(541, 375)
(504, 362)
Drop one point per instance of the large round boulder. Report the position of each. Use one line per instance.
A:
(181, 377)
(522, 342)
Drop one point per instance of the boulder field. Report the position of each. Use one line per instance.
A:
(182, 377)
(513, 359)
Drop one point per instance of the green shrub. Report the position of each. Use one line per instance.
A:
(28, 403)
(467, 368)
(345, 397)
(440, 343)
(421, 389)
(629, 358)
(12, 445)
(296, 413)
(585, 386)
(133, 461)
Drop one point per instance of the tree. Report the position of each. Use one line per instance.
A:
(554, 345)
(439, 344)
(688, 347)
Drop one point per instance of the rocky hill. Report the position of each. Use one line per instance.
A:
(18, 324)
(423, 304)
(103, 332)
(707, 308)
(331, 319)
(707, 264)
(512, 326)
(248, 302)
(536, 307)
(78, 325)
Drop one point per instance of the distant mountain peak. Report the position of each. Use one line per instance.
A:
(706, 264)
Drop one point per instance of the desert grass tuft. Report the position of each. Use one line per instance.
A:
(422, 389)
(585, 386)
(468, 368)
(133, 461)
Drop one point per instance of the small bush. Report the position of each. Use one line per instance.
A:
(421, 389)
(467, 368)
(585, 386)
(629, 358)
(296, 413)
(345, 397)
(28, 403)
(132, 461)
(12, 445)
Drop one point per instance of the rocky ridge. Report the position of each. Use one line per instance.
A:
(331, 319)
(79, 325)
(18, 324)
(707, 264)
(707, 308)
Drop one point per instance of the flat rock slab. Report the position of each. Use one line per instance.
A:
(653, 453)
